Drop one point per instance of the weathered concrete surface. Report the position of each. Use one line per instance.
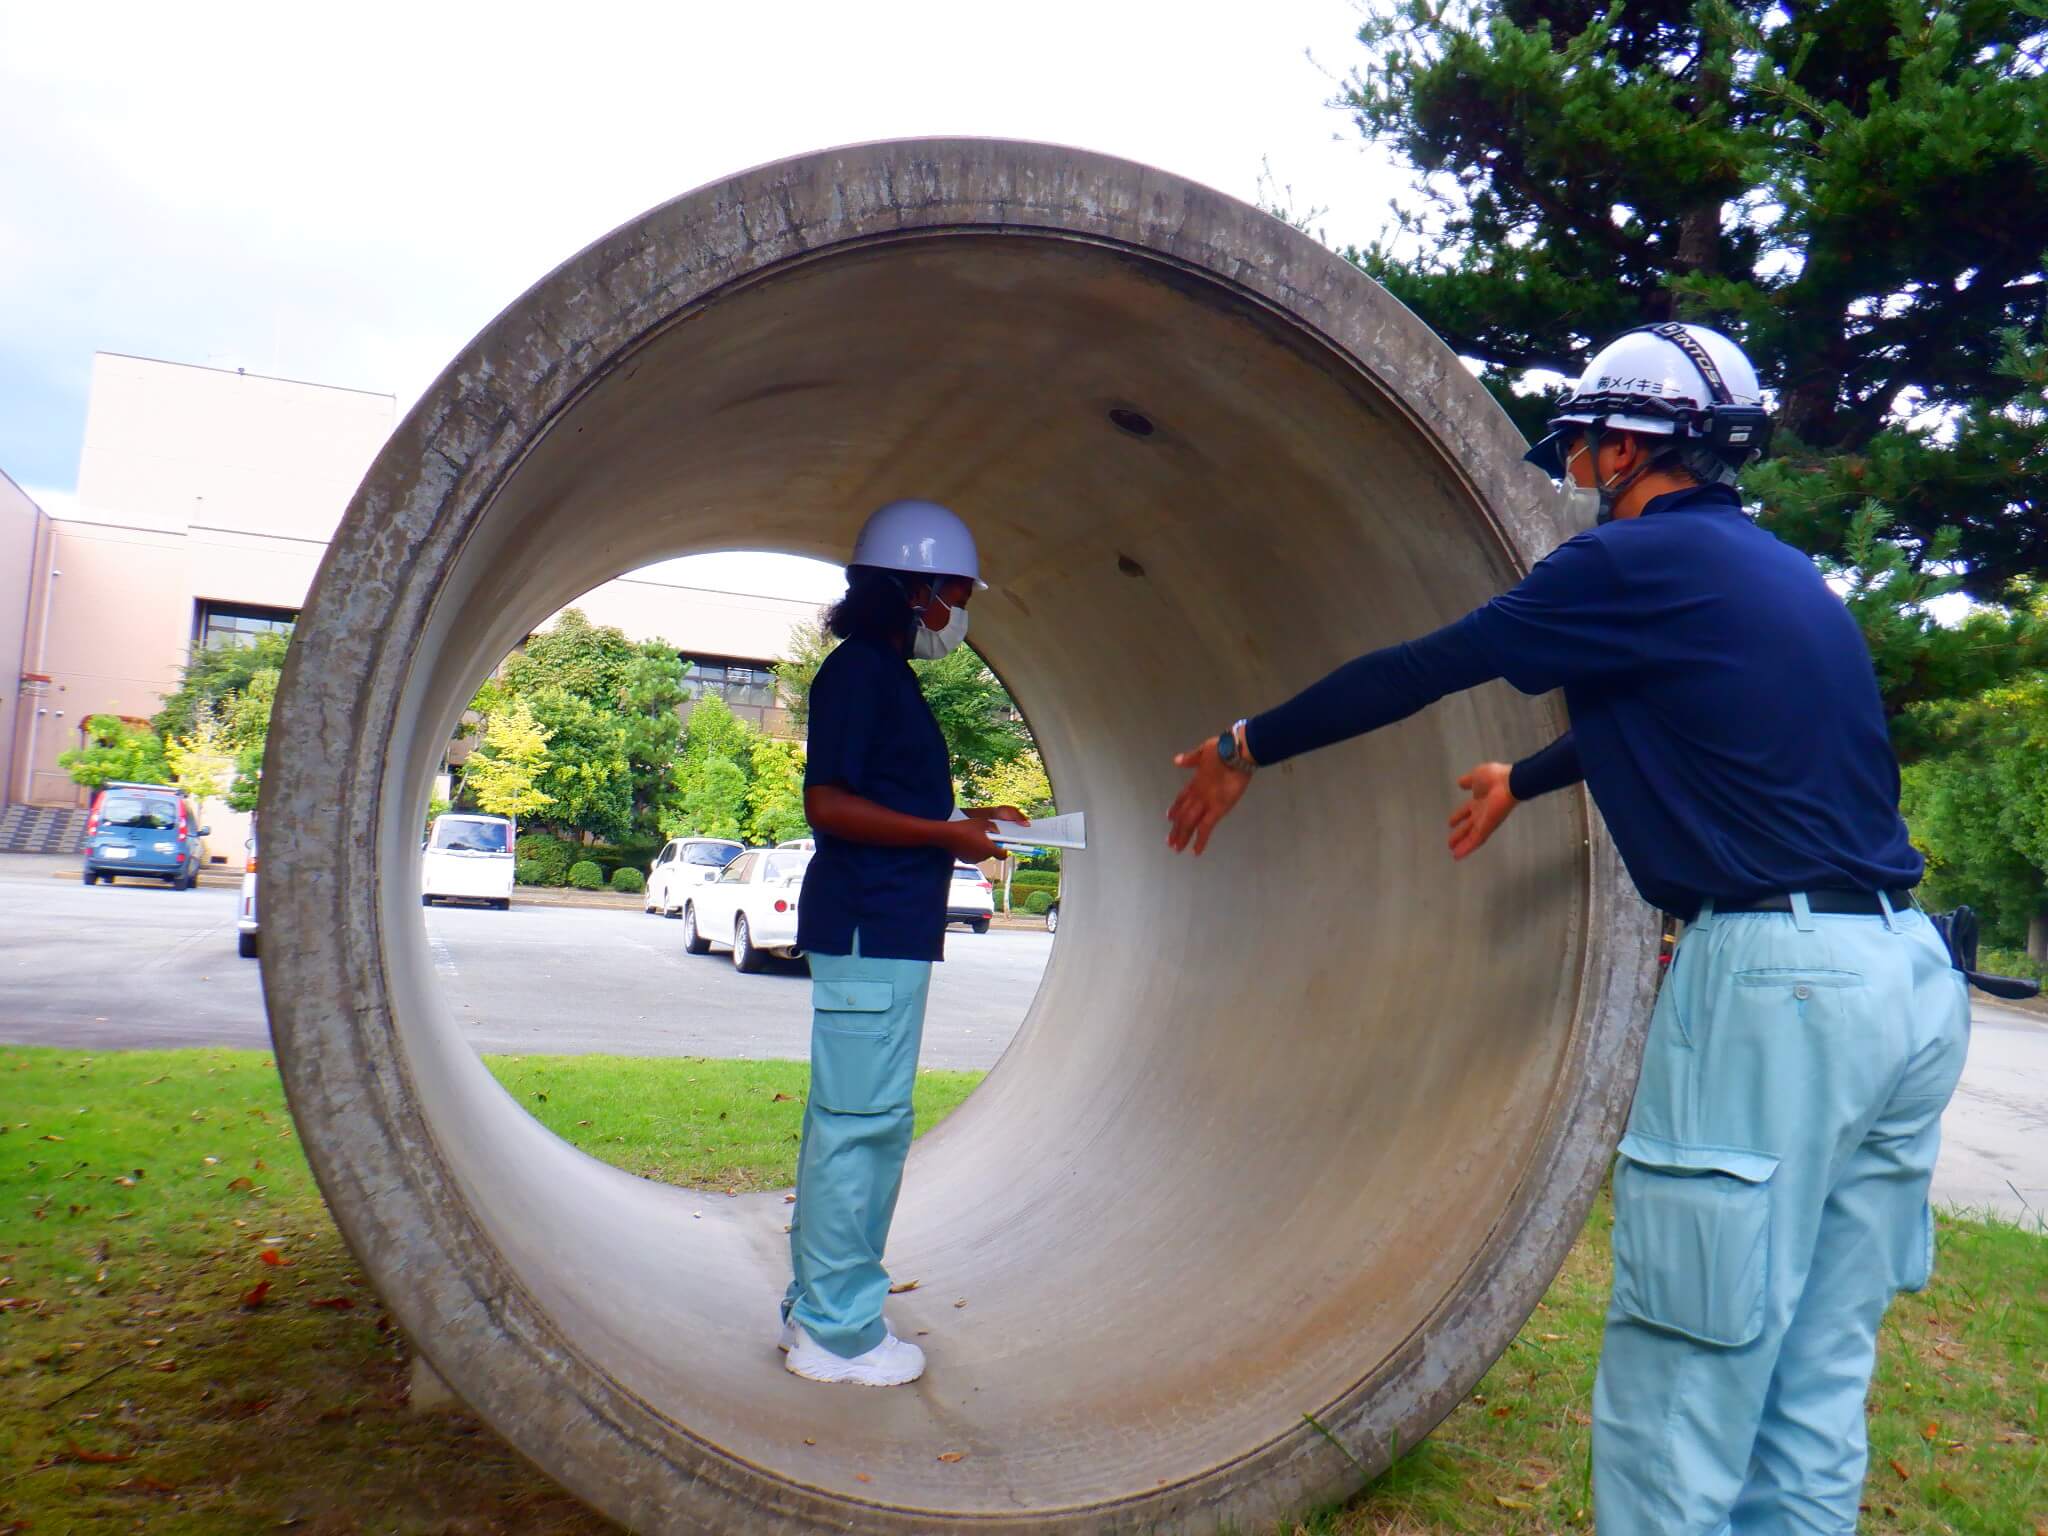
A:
(1302, 1128)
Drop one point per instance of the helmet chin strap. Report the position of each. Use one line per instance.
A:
(1611, 494)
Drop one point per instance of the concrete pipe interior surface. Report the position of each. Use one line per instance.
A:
(1302, 1128)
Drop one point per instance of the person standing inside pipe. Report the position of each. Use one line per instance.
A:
(878, 792)
(1770, 1195)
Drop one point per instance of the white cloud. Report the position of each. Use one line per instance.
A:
(348, 194)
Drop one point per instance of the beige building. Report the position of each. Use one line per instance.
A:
(206, 498)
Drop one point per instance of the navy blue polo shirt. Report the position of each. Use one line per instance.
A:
(1724, 710)
(872, 734)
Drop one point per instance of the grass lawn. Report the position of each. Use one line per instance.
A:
(145, 1384)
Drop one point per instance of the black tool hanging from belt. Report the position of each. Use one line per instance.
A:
(1958, 931)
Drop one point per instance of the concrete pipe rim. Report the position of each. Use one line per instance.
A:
(348, 1073)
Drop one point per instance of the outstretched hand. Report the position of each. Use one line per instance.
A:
(1206, 799)
(1475, 821)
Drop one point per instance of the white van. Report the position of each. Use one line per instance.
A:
(467, 858)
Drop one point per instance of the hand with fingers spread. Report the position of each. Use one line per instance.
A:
(1476, 820)
(1206, 798)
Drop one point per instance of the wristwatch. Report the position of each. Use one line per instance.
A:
(1230, 749)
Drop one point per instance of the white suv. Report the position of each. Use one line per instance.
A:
(683, 864)
(970, 899)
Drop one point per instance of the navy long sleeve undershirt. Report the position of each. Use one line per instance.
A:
(1551, 768)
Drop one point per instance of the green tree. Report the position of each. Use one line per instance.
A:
(502, 775)
(809, 645)
(974, 711)
(573, 654)
(709, 795)
(775, 792)
(202, 761)
(215, 677)
(635, 688)
(116, 749)
(1020, 782)
(587, 778)
(710, 799)
(1977, 802)
(1857, 190)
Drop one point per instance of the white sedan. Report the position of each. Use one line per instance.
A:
(683, 865)
(751, 907)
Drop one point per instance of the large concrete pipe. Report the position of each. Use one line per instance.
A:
(1303, 1128)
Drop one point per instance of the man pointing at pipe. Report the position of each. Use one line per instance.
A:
(1771, 1192)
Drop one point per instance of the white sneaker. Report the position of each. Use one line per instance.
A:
(891, 1363)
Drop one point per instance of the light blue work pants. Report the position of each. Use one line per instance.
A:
(1769, 1200)
(866, 1025)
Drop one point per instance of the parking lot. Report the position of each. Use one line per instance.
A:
(142, 965)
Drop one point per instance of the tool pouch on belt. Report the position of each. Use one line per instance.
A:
(1958, 931)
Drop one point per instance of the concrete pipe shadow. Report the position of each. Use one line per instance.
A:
(1303, 1128)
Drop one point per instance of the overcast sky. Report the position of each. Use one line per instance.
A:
(347, 194)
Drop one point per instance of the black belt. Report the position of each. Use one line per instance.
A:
(1828, 903)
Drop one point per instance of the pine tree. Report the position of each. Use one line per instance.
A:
(1857, 190)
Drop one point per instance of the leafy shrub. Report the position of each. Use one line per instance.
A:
(548, 857)
(628, 879)
(1037, 903)
(586, 876)
(2009, 962)
(528, 872)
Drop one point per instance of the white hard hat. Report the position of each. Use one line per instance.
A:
(1671, 380)
(920, 537)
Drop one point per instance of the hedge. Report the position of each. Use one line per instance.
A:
(1038, 902)
(542, 859)
(628, 879)
(586, 876)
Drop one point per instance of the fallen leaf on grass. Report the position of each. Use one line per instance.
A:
(253, 1298)
(97, 1458)
(1930, 1431)
(783, 1098)
(1899, 1467)
(165, 1365)
(1551, 1338)
(242, 1183)
(903, 1286)
(338, 1303)
(952, 1455)
(1507, 1503)
(275, 1259)
(145, 1485)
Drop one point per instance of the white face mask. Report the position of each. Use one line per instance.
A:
(929, 644)
(1588, 506)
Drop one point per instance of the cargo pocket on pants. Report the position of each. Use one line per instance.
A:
(851, 1051)
(1692, 1238)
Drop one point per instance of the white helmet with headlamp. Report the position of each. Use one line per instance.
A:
(1674, 380)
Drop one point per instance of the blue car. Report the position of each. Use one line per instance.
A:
(145, 832)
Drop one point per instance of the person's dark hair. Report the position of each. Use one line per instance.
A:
(875, 607)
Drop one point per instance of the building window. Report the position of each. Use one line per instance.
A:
(747, 687)
(742, 684)
(231, 624)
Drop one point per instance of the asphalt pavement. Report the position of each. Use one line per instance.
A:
(132, 966)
